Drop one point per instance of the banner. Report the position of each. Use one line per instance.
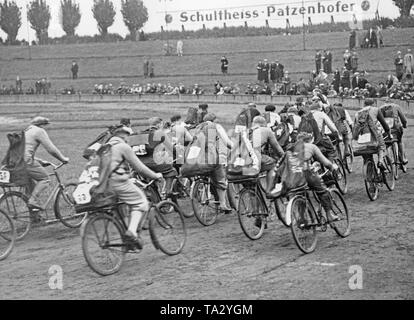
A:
(195, 14)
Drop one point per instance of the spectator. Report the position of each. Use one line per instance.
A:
(180, 45)
(337, 80)
(224, 65)
(329, 62)
(373, 40)
(399, 66)
(19, 85)
(217, 87)
(302, 87)
(286, 83)
(358, 81)
(260, 71)
(347, 60)
(352, 40)
(280, 71)
(354, 61)
(382, 92)
(391, 81)
(380, 37)
(273, 67)
(151, 70)
(146, 68)
(75, 70)
(265, 71)
(372, 92)
(408, 63)
(318, 61)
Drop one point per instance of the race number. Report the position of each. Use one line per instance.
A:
(140, 150)
(364, 138)
(82, 194)
(4, 176)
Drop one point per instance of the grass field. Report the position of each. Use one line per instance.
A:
(117, 62)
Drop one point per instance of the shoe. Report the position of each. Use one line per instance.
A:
(35, 207)
(136, 241)
(381, 166)
(225, 210)
(405, 162)
(332, 217)
(258, 223)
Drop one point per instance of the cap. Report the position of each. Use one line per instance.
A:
(252, 105)
(154, 121)
(260, 121)
(123, 129)
(369, 102)
(40, 121)
(203, 106)
(210, 117)
(125, 121)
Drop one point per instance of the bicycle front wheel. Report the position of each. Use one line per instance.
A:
(15, 205)
(349, 160)
(388, 174)
(303, 225)
(182, 196)
(102, 244)
(370, 174)
(205, 203)
(65, 207)
(280, 205)
(339, 208)
(167, 228)
(252, 214)
(7, 235)
(395, 159)
(341, 178)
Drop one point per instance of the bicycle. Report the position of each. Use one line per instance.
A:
(204, 200)
(103, 242)
(306, 219)
(394, 153)
(7, 235)
(340, 177)
(253, 212)
(347, 160)
(60, 199)
(373, 179)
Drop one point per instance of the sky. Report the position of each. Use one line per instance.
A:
(183, 11)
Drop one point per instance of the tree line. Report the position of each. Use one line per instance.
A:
(134, 13)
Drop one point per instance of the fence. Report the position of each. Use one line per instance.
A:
(353, 104)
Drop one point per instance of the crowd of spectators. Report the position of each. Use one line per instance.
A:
(150, 88)
(41, 86)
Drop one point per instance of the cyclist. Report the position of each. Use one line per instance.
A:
(262, 138)
(271, 116)
(377, 119)
(324, 122)
(180, 137)
(400, 123)
(314, 181)
(36, 135)
(344, 125)
(119, 182)
(159, 153)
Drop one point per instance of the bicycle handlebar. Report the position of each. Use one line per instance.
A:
(144, 185)
(45, 164)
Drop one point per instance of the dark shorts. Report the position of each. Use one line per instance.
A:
(267, 163)
(167, 170)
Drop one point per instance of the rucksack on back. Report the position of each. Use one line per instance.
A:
(364, 134)
(94, 146)
(13, 166)
(94, 180)
(192, 116)
(308, 124)
(244, 119)
(391, 116)
(282, 134)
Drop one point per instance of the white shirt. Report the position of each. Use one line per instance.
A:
(324, 122)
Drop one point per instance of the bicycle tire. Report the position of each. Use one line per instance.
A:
(281, 212)
(349, 160)
(395, 157)
(172, 223)
(341, 180)
(251, 209)
(7, 235)
(74, 220)
(389, 175)
(89, 229)
(369, 173)
(179, 200)
(340, 208)
(21, 216)
(208, 213)
(233, 193)
(305, 236)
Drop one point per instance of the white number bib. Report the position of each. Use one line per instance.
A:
(82, 193)
(4, 176)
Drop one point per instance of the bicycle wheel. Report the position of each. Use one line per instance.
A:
(281, 204)
(349, 160)
(251, 214)
(339, 207)
(395, 159)
(233, 192)
(167, 228)
(102, 244)
(181, 196)
(65, 207)
(388, 174)
(341, 180)
(369, 173)
(15, 205)
(205, 204)
(303, 225)
(7, 235)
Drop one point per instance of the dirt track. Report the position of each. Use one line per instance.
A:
(221, 263)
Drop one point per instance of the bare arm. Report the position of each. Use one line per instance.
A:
(317, 154)
(329, 123)
(384, 124)
(275, 145)
(402, 118)
(224, 137)
(49, 146)
(136, 164)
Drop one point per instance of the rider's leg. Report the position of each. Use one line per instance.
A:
(315, 183)
(381, 150)
(347, 142)
(267, 165)
(401, 148)
(219, 179)
(40, 176)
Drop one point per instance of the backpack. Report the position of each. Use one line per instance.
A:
(94, 146)
(364, 134)
(94, 180)
(341, 112)
(201, 155)
(391, 116)
(243, 160)
(282, 134)
(244, 119)
(13, 166)
(308, 124)
(192, 116)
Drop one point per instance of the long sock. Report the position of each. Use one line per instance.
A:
(135, 219)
